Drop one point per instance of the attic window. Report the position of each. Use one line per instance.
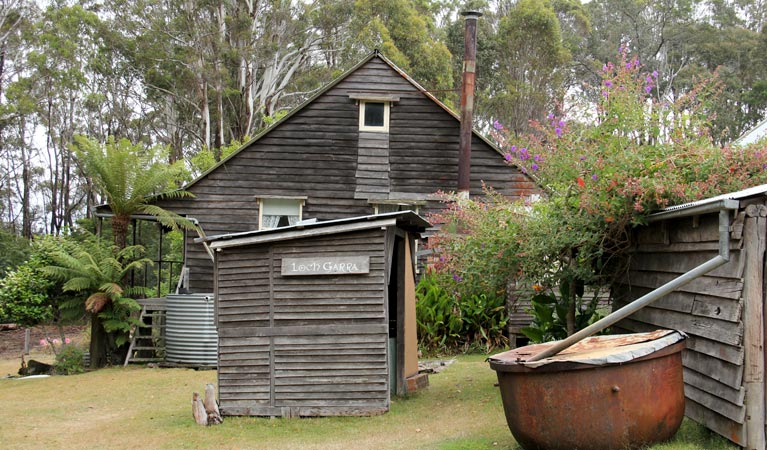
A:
(374, 110)
(276, 212)
(374, 116)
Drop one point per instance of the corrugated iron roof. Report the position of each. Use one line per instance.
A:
(404, 219)
(738, 195)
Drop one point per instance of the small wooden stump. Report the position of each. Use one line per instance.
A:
(205, 410)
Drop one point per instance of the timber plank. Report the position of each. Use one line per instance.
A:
(333, 398)
(713, 387)
(725, 427)
(733, 412)
(723, 372)
(333, 388)
(719, 287)
(684, 262)
(718, 330)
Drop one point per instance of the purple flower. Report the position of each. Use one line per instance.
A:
(561, 123)
(497, 125)
(636, 63)
(534, 167)
(507, 157)
(558, 131)
(608, 83)
(550, 116)
(604, 68)
(648, 88)
(523, 155)
(514, 148)
(537, 158)
(628, 65)
(605, 94)
(594, 177)
(655, 74)
(583, 158)
(457, 278)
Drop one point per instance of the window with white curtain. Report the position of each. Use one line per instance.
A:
(279, 212)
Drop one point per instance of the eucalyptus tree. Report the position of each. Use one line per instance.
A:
(16, 176)
(214, 72)
(685, 41)
(524, 58)
(56, 84)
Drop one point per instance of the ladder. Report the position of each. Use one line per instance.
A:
(147, 344)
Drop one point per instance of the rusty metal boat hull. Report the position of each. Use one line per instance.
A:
(566, 405)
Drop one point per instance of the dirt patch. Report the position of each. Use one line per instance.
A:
(12, 341)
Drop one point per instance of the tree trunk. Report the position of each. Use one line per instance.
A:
(98, 345)
(198, 410)
(211, 407)
(120, 224)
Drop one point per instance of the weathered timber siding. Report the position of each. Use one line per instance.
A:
(708, 309)
(302, 345)
(316, 153)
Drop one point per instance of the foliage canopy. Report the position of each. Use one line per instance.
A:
(599, 180)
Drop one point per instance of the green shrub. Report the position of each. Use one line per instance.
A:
(70, 360)
(24, 296)
(599, 178)
(449, 323)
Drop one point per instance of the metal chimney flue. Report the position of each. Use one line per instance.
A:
(467, 100)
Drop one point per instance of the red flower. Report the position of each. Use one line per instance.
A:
(581, 183)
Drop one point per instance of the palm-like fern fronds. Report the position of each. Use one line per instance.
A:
(95, 268)
(132, 178)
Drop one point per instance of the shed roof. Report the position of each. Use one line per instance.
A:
(755, 191)
(407, 220)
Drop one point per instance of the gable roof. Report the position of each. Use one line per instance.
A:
(328, 87)
(759, 131)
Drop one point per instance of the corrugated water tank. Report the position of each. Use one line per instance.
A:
(190, 334)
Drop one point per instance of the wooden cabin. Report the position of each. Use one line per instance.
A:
(372, 141)
(318, 318)
(722, 312)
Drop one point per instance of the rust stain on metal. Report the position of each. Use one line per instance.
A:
(593, 345)
(467, 99)
(564, 405)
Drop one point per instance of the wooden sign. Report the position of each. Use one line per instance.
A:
(326, 265)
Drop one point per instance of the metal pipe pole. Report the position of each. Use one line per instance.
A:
(631, 308)
(467, 100)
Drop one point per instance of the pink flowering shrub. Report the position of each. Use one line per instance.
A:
(601, 177)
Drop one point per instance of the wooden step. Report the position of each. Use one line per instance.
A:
(143, 360)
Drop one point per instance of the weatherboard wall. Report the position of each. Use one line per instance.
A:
(315, 153)
(721, 312)
(303, 345)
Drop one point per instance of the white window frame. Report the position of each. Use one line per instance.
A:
(300, 201)
(380, 129)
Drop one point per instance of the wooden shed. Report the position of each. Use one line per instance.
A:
(721, 311)
(317, 318)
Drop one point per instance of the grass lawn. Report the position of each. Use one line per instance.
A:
(138, 407)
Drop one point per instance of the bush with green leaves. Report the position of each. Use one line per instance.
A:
(449, 323)
(95, 270)
(27, 295)
(24, 297)
(598, 179)
(70, 360)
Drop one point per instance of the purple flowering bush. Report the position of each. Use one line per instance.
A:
(600, 177)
